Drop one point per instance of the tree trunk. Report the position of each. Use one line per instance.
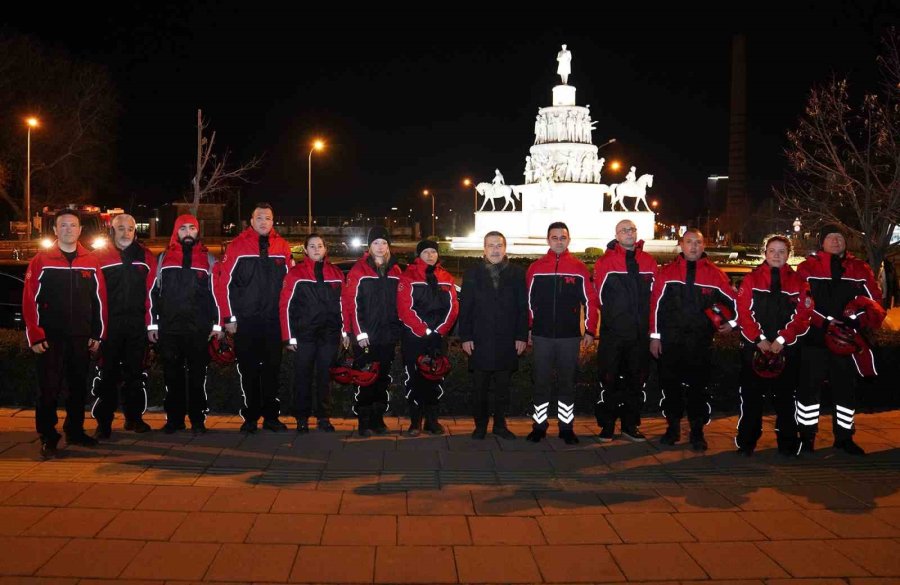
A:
(196, 204)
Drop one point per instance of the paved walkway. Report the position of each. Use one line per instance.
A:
(331, 508)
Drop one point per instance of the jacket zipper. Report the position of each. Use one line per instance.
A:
(555, 287)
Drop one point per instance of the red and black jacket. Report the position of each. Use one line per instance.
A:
(624, 280)
(833, 283)
(129, 275)
(559, 288)
(250, 277)
(370, 301)
(182, 299)
(310, 306)
(677, 310)
(781, 316)
(62, 298)
(425, 308)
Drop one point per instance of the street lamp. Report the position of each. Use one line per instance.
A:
(607, 143)
(317, 145)
(426, 193)
(31, 122)
(615, 165)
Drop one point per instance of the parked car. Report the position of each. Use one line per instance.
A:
(12, 283)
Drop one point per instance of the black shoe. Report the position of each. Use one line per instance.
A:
(745, 451)
(504, 433)
(672, 434)
(849, 447)
(607, 434)
(432, 425)
(137, 425)
(377, 421)
(171, 427)
(103, 432)
(249, 427)
(536, 434)
(81, 439)
(569, 436)
(324, 425)
(633, 434)
(363, 418)
(274, 425)
(198, 428)
(807, 445)
(698, 442)
(48, 447)
(480, 433)
(302, 426)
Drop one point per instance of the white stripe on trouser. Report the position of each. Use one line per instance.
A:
(844, 416)
(807, 414)
(540, 413)
(565, 412)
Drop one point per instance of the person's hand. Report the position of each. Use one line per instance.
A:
(725, 328)
(521, 346)
(764, 346)
(655, 348)
(216, 334)
(345, 341)
(530, 340)
(292, 347)
(93, 345)
(153, 336)
(364, 343)
(587, 341)
(775, 347)
(469, 347)
(40, 347)
(231, 327)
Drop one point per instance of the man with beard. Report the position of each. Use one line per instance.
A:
(184, 317)
(129, 269)
(248, 289)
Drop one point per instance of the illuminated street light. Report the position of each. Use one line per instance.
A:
(317, 145)
(31, 122)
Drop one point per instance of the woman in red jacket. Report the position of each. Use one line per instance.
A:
(427, 305)
(774, 308)
(312, 326)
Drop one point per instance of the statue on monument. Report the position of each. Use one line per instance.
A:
(564, 57)
(498, 178)
(631, 177)
(529, 171)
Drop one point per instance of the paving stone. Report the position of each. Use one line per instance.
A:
(287, 528)
(565, 503)
(785, 525)
(733, 560)
(176, 498)
(121, 497)
(306, 502)
(376, 503)
(71, 522)
(634, 528)
(818, 497)
(241, 500)
(587, 529)
(144, 525)
(356, 530)
(756, 499)
(439, 502)
(433, 530)
(853, 524)
(92, 558)
(634, 501)
(643, 562)
(23, 556)
(718, 527)
(415, 564)
(576, 563)
(878, 556)
(479, 564)
(18, 519)
(253, 562)
(492, 502)
(334, 564)
(810, 558)
(172, 560)
(411, 460)
(214, 527)
(697, 500)
(466, 460)
(491, 530)
(46, 494)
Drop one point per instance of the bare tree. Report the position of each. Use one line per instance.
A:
(846, 159)
(212, 173)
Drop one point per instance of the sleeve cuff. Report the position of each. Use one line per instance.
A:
(762, 337)
(343, 334)
(780, 340)
(655, 336)
(292, 341)
(362, 336)
(152, 327)
(428, 331)
(217, 328)
(733, 323)
(231, 319)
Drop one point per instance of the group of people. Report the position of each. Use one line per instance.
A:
(799, 328)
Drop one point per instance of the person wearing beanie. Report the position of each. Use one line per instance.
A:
(369, 301)
(835, 278)
(183, 318)
(248, 288)
(427, 305)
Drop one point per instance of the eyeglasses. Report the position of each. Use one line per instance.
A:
(628, 231)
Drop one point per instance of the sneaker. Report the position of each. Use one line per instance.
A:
(137, 425)
(569, 436)
(849, 447)
(480, 433)
(634, 434)
(536, 434)
(324, 425)
(274, 425)
(607, 434)
(302, 427)
(807, 445)
(103, 431)
(81, 439)
(198, 428)
(171, 427)
(504, 433)
(249, 427)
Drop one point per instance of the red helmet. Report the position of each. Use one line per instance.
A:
(719, 314)
(341, 369)
(364, 371)
(865, 311)
(151, 354)
(222, 350)
(767, 364)
(841, 339)
(433, 367)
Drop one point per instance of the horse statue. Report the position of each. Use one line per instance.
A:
(490, 192)
(607, 190)
(633, 189)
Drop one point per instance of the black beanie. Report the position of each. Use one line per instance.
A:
(424, 245)
(829, 229)
(379, 233)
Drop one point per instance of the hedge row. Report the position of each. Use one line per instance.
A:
(18, 381)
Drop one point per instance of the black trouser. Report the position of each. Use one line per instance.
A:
(559, 355)
(623, 365)
(420, 392)
(817, 364)
(781, 392)
(377, 393)
(66, 362)
(123, 363)
(184, 357)
(481, 395)
(311, 362)
(684, 378)
(258, 349)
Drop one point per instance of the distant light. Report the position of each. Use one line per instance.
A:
(425, 193)
(355, 243)
(615, 165)
(393, 209)
(46, 243)
(467, 182)
(32, 122)
(318, 145)
(717, 177)
(99, 242)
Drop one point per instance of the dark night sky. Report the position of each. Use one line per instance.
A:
(414, 100)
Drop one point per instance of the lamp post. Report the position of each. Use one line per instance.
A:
(317, 145)
(426, 193)
(31, 122)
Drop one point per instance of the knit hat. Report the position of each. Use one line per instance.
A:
(829, 229)
(424, 245)
(379, 233)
